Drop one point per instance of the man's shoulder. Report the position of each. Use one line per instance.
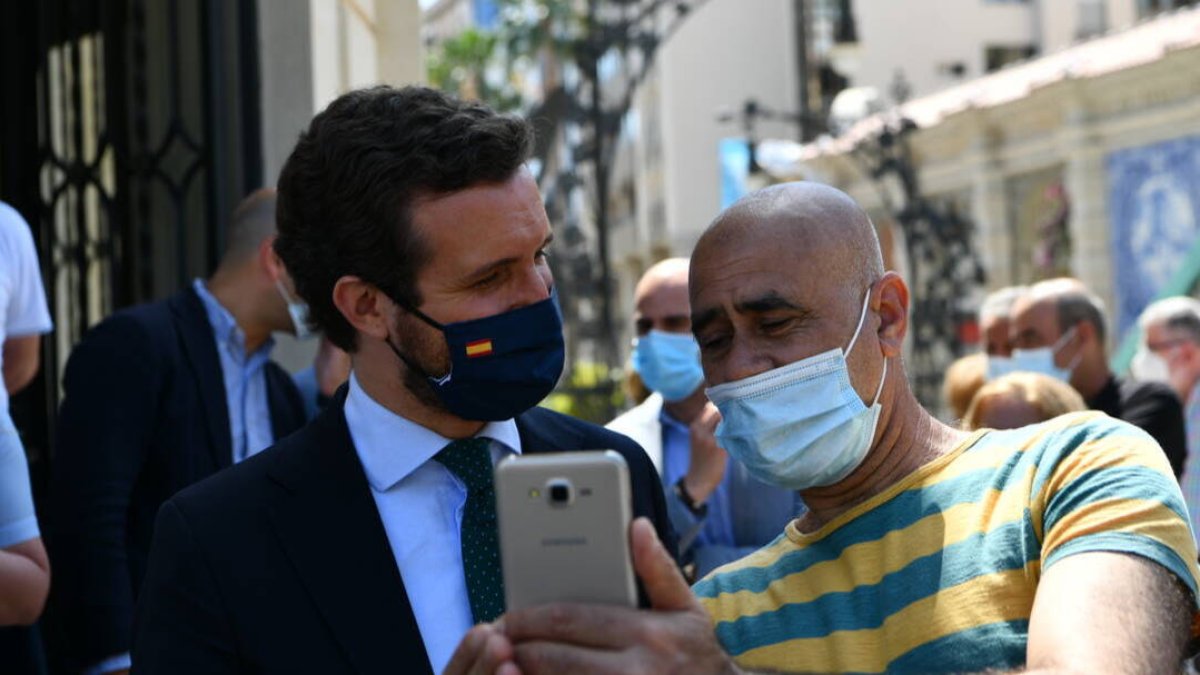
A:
(1134, 392)
(241, 490)
(1064, 432)
(149, 320)
(572, 433)
(638, 417)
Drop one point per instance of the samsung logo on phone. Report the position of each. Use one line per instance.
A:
(565, 541)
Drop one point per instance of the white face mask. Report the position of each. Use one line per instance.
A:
(801, 425)
(1041, 359)
(298, 310)
(1148, 366)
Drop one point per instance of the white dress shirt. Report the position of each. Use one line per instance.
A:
(421, 505)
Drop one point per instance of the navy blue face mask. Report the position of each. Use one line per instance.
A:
(500, 365)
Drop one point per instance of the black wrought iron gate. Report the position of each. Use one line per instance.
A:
(129, 129)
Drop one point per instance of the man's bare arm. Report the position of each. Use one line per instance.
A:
(24, 582)
(1111, 613)
(21, 356)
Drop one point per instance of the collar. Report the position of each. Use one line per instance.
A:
(225, 327)
(391, 447)
(667, 420)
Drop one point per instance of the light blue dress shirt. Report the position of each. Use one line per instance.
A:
(677, 456)
(421, 505)
(245, 380)
(743, 515)
(245, 396)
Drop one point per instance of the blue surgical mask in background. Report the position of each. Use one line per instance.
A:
(1041, 359)
(668, 363)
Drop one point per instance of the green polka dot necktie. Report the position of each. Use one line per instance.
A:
(470, 460)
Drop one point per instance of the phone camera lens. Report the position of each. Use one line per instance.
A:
(559, 491)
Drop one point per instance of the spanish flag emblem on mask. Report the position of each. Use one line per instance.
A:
(479, 348)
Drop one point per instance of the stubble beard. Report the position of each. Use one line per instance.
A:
(428, 353)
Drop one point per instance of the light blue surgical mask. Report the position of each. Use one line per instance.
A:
(1041, 359)
(801, 425)
(998, 366)
(668, 363)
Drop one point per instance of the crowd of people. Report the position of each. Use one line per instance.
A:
(796, 508)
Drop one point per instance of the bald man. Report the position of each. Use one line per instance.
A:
(719, 510)
(157, 397)
(1058, 547)
(1057, 329)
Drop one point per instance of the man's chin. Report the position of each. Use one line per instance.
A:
(422, 390)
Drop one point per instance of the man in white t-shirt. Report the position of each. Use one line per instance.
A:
(24, 568)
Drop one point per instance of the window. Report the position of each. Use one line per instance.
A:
(1091, 18)
(996, 57)
(1147, 8)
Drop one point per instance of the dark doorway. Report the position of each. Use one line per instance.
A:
(129, 129)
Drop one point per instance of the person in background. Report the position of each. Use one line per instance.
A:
(157, 397)
(24, 318)
(1058, 329)
(1056, 548)
(964, 377)
(1169, 353)
(318, 382)
(994, 316)
(1020, 399)
(720, 512)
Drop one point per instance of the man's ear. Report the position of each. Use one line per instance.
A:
(364, 306)
(268, 259)
(1191, 354)
(891, 303)
(1086, 333)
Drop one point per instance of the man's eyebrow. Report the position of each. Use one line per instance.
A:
(488, 268)
(770, 301)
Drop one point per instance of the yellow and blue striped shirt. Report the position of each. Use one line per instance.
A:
(938, 572)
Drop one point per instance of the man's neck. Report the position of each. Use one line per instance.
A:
(910, 438)
(225, 287)
(1089, 382)
(687, 409)
(381, 378)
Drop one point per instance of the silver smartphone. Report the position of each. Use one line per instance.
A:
(564, 529)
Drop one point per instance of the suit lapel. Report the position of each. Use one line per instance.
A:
(330, 527)
(200, 348)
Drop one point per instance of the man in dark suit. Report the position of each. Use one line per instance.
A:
(157, 397)
(367, 542)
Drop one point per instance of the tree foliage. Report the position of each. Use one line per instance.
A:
(495, 65)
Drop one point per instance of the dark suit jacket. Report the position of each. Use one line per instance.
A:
(1150, 406)
(144, 416)
(282, 564)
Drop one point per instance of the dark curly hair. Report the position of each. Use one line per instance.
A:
(347, 190)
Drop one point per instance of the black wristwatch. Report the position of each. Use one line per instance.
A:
(698, 510)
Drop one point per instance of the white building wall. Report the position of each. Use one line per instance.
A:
(726, 52)
(924, 37)
(312, 51)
